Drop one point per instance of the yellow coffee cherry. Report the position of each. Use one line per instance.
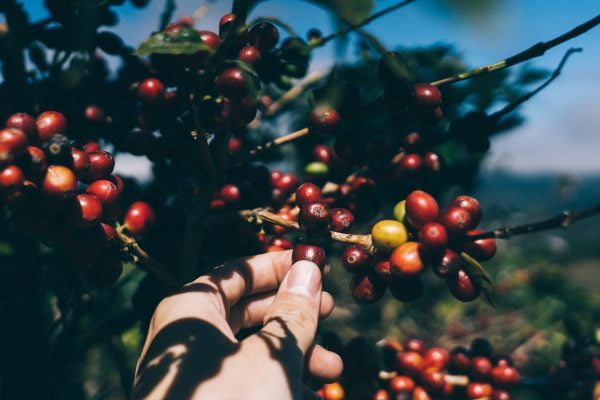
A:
(400, 211)
(388, 234)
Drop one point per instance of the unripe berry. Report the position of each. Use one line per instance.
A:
(151, 92)
(11, 177)
(481, 249)
(388, 234)
(307, 192)
(325, 121)
(407, 290)
(85, 210)
(462, 287)
(355, 258)
(50, 123)
(421, 208)
(314, 217)
(342, 220)
(433, 237)
(140, 218)
(407, 260)
(400, 211)
(309, 252)
(472, 206)
(24, 122)
(456, 220)
(367, 288)
(59, 182)
(427, 96)
(104, 190)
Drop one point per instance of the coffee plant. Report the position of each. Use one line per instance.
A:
(375, 148)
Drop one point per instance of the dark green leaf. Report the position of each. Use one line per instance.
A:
(480, 277)
(349, 10)
(184, 42)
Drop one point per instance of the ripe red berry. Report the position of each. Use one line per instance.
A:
(402, 384)
(249, 54)
(24, 122)
(140, 218)
(11, 177)
(478, 390)
(309, 252)
(151, 92)
(105, 190)
(283, 243)
(410, 363)
(410, 163)
(16, 140)
(229, 193)
(433, 237)
(234, 145)
(50, 123)
(381, 394)
(382, 268)
(59, 182)
(314, 217)
(90, 146)
(460, 361)
(367, 288)
(322, 153)
(102, 164)
(421, 208)
(109, 234)
(85, 210)
(448, 264)
(407, 260)
(116, 179)
(462, 287)
(210, 39)
(472, 206)
(456, 220)
(80, 161)
(501, 394)
(342, 220)
(505, 376)
(325, 121)
(95, 114)
(307, 192)
(415, 344)
(34, 161)
(481, 249)
(432, 162)
(427, 96)
(226, 23)
(432, 379)
(436, 357)
(363, 186)
(263, 36)
(481, 368)
(233, 83)
(355, 258)
(287, 183)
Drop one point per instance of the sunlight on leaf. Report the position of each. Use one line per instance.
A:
(480, 277)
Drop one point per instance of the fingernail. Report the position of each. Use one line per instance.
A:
(303, 277)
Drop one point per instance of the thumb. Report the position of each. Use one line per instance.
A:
(295, 312)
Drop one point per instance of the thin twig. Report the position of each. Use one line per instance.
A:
(360, 24)
(294, 93)
(564, 220)
(513, 105)
(252, 153)
(534, 51)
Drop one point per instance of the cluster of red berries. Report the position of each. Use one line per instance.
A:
(416, 157)
(66, 194)
(419, 236)
(419, 373)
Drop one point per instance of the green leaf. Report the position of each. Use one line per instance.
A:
(349, 10)
(183, 42)
(480, 277)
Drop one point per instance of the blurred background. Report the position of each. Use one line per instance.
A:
(547, 164)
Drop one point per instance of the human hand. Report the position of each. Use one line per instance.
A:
(191, 351)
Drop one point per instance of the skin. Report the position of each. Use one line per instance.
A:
(192, 352)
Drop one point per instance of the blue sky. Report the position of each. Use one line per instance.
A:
(562, 132)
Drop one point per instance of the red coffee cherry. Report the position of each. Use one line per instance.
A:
(432, 162)
(407, 290)
(477, 390)
(105, 272)
(382, 268)
(433, 237)
(407, 260)
(381, 394)
(448, 265)
(436, 357)
(367, 288)
(233, 83)
(264, 36)
(412, 141)
(151, 92)
(415, 345)
(410, 363)
(325, 121)
(481, 368)
(309, 252)
(481, 249)
(462, 287)
(287, 183)
(421, 394)
(322, 153)
(80, 161)
(472, 206)
(226, 23)
(6, 154)
(90, 146)
(85, 210)
(363, 186)
(11, 177)
(502, 360)
(50, 123)
(501, 394)
(230, 194)
(283, 243)
(16, 140)
(105, 190)
(342, 220)
(95, 114)
(456, 220)
(109, 235)
(427, 96)
(249, 54)
(59, 182)
(351, 149)
(505, 376)
(421, 208)
(140, 218)
(102, 164)
(432, 379)
(401, 384)
(118, 183)
(314, 217)
(24, 122)
(34, 161)
(210, 39)
(410, 163)
(307, 192)
(234, 145)
(460, 361)
(355, 258)
(333, 391)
